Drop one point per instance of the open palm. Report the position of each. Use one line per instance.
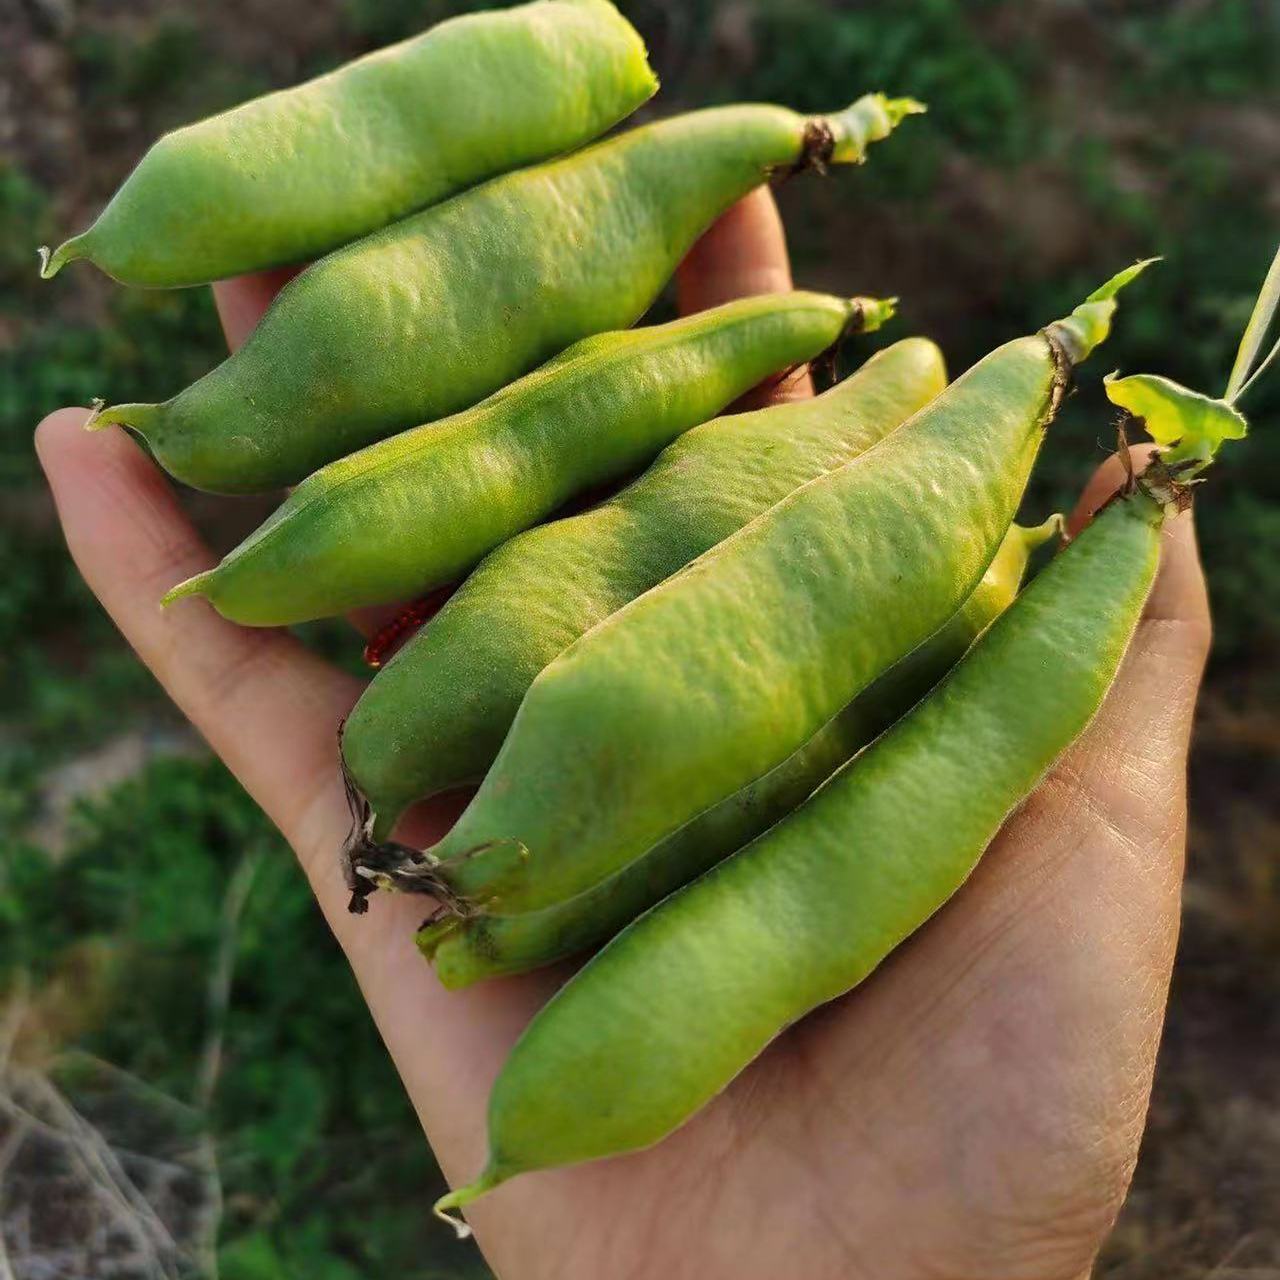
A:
(974, 1110)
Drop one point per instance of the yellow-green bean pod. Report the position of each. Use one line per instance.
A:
(434, 717)
(294, 174)
(680, 1002)
(467, 951)
(418, 510)
(714, 677)
(433, 313)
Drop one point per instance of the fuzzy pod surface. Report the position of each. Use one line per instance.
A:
(657, 1024)
(418, 510)
(295, 174)
(433, 313)
(434, 718)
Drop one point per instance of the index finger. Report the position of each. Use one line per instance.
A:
(744, 253)
(242, 300)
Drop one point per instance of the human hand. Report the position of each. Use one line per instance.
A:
(973, 1110)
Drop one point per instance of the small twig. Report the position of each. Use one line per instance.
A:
(14, 1015)
(70, 1141)
(12, 1145)
(219, 990)
(1122, 451)
(96, 1153)
(6, 1271)
(218, 1002)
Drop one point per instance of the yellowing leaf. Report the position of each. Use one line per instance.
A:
(1190, 425)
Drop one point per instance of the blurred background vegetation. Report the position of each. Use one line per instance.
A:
(187, 1073)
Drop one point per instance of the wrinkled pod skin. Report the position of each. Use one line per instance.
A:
(433, 313)
(711, 679)
(484, 946)
(434, 717)
(663, 1018)
(292, 175)
(418, 510)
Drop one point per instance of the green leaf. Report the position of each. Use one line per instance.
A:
(1190, 426)
(1256, 330)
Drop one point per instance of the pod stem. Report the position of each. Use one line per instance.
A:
(866, 315)
(370, 864)
(464, 1196)
(871, 119)
(1089, 325)
(383, 822)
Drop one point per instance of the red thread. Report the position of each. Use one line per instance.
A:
(385, 641)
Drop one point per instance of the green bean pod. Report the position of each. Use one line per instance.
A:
(467, 951)
(292, 175)
(432, 314)
(418, 510)
(711, 679)
(678, 1004)
(434, 717)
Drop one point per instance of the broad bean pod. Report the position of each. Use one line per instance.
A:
(439, 310)
(467, 951)
(434, 717)
(711, 679)
(418, 510)
(294, 174)
(680, 1002)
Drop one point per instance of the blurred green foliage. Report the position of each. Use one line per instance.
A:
(1062, 140)
(322, 1165)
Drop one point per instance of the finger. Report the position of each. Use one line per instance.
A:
(268, 707)
(743, 254)
(271, 711)
(241, 301)
(1025, 1016)
(397, 623)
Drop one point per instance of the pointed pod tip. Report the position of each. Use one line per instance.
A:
(462, 1197)
(441, 1210)
(193, 586)
(53, 260)
(137, 417)
(1035, 536)
(94, 421)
